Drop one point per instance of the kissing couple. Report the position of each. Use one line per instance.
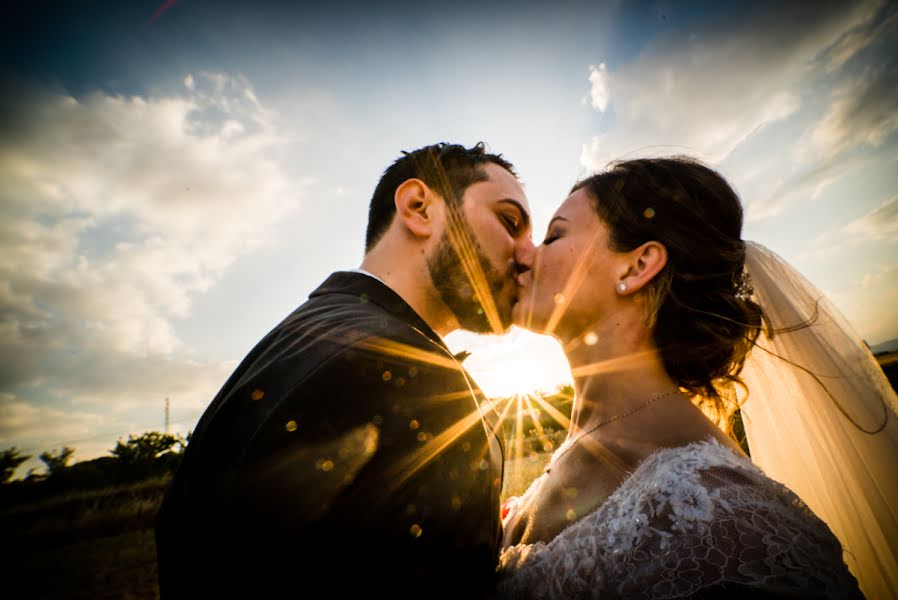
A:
(351, 454)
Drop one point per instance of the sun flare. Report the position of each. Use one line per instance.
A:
(517, 363)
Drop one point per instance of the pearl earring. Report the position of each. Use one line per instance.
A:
(622, 287)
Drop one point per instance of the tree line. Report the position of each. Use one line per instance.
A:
(140, 457)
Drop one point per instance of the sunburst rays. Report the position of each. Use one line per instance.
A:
(616, 364)
(406, 353)
(526, 416)
(528, 319)
(552, 411)
(429, 450)
(574, 281)
(525, 412)
(463, 245)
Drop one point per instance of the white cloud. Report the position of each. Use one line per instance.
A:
(179, 187)
(706, 92)
(589, 155)
(871, 303)
(26, 426)
(115, 212)
(859, 113)
(599, 91)
(803, 182)
(880, 223)
(20, 420)
(855, 40)
(864, 112)
(871, 280)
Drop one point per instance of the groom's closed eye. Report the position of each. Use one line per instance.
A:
(513, 222)
(513, 216)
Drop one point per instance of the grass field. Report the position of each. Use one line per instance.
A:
(94, 544)
(116, 567)
(519, 472)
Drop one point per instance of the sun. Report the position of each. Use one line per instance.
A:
(519, 362)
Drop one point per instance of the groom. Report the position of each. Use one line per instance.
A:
(350, 451)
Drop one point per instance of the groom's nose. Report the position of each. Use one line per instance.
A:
(524, 254)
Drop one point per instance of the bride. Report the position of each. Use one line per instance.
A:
(659, 304)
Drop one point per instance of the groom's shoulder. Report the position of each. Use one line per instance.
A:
(355, 310)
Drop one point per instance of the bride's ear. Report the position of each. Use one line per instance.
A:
(415, 207)
(644, 263)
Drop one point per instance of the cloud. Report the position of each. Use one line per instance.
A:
(115, 212)
(873, 279)
(26, 426)
(118, 210)
(864, 112)
(707, 90)
(855, 40)
(877, 225)
(807, 182)
(859, 115)
(599, 92)
(880, 223)
(20, 420)
(871, 303)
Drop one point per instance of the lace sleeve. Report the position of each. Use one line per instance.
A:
(686, 530)
(733, 529)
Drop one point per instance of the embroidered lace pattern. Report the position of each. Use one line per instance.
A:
(688, 519)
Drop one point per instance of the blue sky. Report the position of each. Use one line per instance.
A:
(177, 177)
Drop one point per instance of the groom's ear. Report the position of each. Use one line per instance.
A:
(645, 262)
(416, 207)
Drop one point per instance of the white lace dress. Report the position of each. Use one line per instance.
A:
(697, 520)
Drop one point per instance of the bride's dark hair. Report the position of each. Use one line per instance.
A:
(703, 321)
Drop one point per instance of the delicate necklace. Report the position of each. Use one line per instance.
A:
(574, 441)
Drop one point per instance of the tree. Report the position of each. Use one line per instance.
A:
(146, 447)
(57, 461)
(10, 459)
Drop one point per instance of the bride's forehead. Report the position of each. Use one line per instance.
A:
(576, 207)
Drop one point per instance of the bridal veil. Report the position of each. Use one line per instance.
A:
(820, 417)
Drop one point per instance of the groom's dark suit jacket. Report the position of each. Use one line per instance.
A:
(348, 452)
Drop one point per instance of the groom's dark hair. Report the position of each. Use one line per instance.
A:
(446, 168)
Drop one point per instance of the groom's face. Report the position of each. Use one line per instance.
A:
(474, 265)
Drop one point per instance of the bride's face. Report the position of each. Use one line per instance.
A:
(571, 285)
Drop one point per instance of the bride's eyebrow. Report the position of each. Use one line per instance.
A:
(558, 218)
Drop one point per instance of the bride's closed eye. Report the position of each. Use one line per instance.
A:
(551, 238)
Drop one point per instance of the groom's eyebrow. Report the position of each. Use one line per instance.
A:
(525, 216)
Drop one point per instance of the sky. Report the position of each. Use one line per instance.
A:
(177, 176)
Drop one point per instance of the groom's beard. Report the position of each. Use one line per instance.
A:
(457, 292)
